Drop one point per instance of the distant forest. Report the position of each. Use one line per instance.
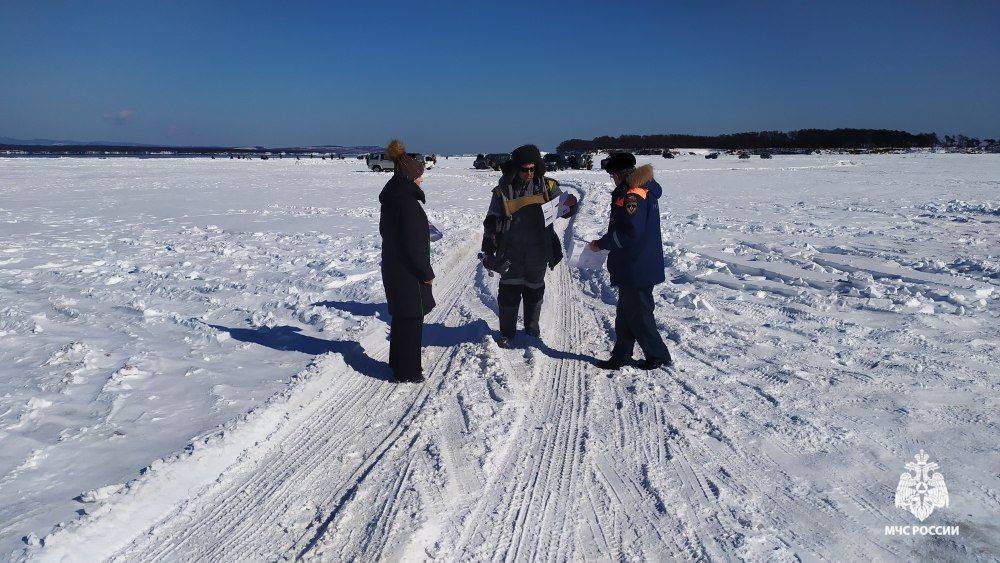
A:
(801, 139)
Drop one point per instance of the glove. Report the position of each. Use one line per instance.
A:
(494, 264)
(571, 203)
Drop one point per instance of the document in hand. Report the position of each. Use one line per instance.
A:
(555, 209)
(590, 260)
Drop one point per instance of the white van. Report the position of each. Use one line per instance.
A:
(379, 162)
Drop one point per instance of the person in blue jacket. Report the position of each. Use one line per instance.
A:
(635, 261)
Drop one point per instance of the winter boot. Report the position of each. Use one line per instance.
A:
(650, 364)
(532, 313)
(533, 310)
(613, 364)
(508, 321)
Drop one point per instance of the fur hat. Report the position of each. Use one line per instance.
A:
(405, 165)
(619, 162)
(526, 154)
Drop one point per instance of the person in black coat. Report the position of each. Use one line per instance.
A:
(406, 262)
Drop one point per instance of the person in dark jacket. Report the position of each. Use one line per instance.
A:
(406, 262)
(516, 241)
(635, 261)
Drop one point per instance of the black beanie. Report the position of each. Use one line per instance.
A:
(619, 161)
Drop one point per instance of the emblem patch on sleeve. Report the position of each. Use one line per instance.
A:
(631, 204)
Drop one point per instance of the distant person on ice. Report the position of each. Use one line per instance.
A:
(406, 262)
(635, 261)
(516, 242)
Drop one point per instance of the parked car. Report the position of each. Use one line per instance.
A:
(667, 153)
(379, 161)
(578, 160)
(744, 155)
(554, 161)
(712, 155)
(496, 160)
(765, 155)
(480, 163)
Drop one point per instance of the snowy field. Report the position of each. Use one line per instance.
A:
(192, 366)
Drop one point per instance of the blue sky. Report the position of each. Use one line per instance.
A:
(470, 77)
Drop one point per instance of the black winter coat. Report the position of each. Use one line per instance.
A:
(406, 249)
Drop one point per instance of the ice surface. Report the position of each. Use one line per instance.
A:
(194, 349)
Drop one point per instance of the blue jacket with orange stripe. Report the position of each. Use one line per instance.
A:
(633, 239)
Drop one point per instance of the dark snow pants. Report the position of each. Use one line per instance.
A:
(521, 282)
(634, 323)
(405, 336)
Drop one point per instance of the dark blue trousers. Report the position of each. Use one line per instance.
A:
(634, 324)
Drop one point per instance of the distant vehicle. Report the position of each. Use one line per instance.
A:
(692, 153)
(480, 162)
(379, 161)
(765, 155)
(648, 152)
(495, 160)
(263, 157)
(744, 155)
(577, 160)
(430, 161)
(554, 161)
(712, 155)
(667, 153)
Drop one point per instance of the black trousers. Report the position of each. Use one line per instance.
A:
(521, 282)
(634, 323)
(405, 335)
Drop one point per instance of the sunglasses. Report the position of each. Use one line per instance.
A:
(528, 169)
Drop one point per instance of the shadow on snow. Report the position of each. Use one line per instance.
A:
(290, 339)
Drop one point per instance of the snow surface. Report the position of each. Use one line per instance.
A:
(192, 366)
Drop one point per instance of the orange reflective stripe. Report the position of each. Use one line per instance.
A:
(620, 201)
(641, 192)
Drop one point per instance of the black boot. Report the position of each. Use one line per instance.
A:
(508, 324)
(533, 310)
(650, 364)
(613, 364)
(532, 313)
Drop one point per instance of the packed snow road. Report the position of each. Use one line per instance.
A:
(830, 318)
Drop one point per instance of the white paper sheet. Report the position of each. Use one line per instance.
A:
(590, 260)
(555, 209)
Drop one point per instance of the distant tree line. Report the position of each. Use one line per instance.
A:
(147, 150)
(800, 139)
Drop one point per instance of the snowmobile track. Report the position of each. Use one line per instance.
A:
(254, 508)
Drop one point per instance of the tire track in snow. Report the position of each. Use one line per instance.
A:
(269, 498)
